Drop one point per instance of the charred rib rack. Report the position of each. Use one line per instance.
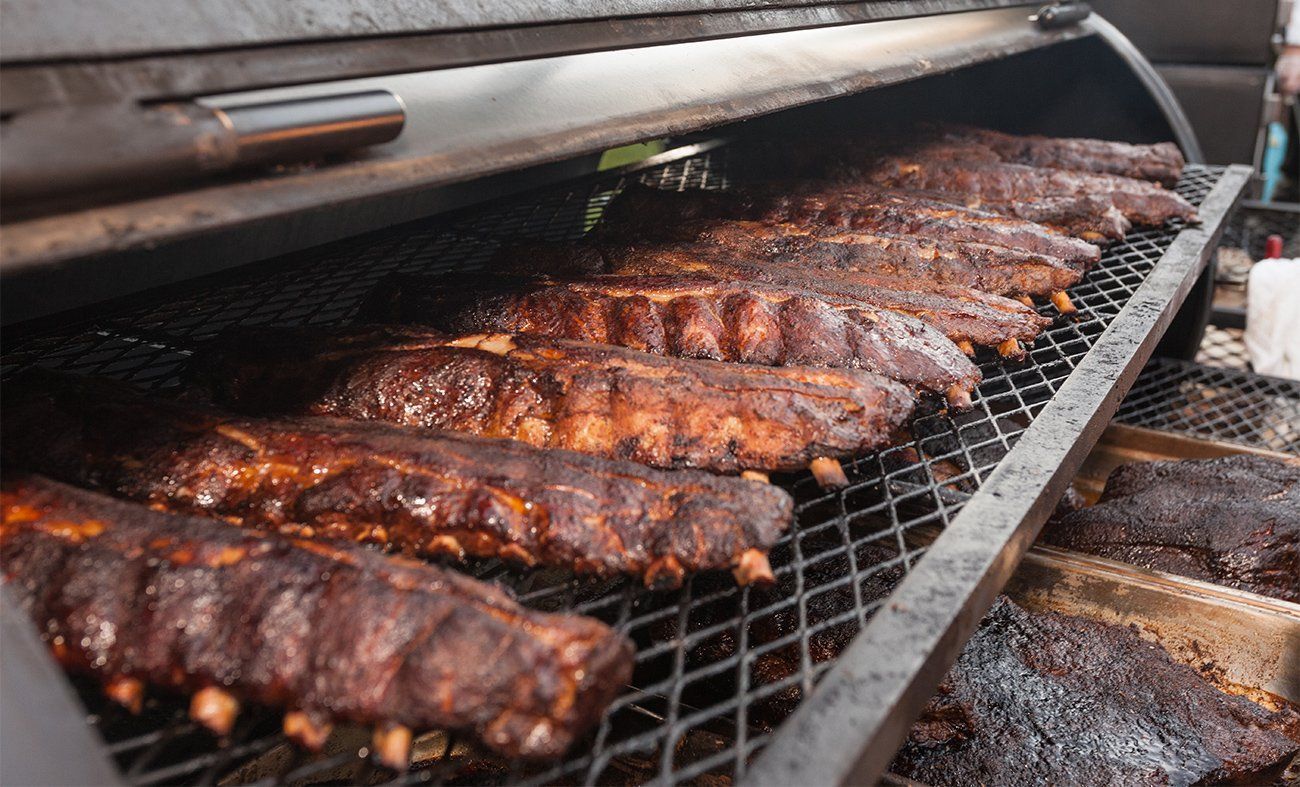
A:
(557, 393)
(1233, 520)
(329, 633)
(429, 494)
(1161, 163)
(689, 317)
(924, 261)
(998, 184)
(965, 316)
(646, 213)
(1044, 698)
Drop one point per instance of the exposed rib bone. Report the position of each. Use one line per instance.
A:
(299, 728)
(1063, 303)
(753, 568)
(127, 692)
(828, 472)
(215, 709)
(392, 744)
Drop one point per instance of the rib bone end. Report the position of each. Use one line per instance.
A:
(214, 709)
(301, 729)
(665, 573)
(1011, 348)
(392, 744)
(958, 398)
(753, 568)
(966, 347)
(127, 692)
(756, 475)
(1026, 300)
(1063, 303)
(828, 472)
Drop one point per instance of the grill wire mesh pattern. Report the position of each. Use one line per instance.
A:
(717, 666)
(1251, 226)
(1230, 405)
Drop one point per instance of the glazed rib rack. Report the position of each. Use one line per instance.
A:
(687, 713)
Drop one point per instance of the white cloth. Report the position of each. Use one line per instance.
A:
(1273, 317)
(1293, 25)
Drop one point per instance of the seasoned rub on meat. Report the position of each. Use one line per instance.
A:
(641, 213)
(965, 316)
(138, 598)
(996, 183)
(556, 393)
(921, 261)
(687, 317)
(1160, 163)
(1234, 521)
(426, 493)
(1044, 698)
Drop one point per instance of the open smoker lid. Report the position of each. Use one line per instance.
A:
(228, 132)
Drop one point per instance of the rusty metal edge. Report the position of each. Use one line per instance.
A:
(847, 730)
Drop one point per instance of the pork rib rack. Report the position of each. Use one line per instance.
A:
(688, 317)
(556, 393)
(641, 213)
(1160, 163)
(965, 316)
(427, 493)
(329, 633)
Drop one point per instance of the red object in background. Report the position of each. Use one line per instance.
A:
(1273, 247)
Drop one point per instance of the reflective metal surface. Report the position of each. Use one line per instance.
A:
(469, 122)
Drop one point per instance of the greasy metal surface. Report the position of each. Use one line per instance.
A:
(38, 30)
(83, 151)
(1227, 405)
(1241, 642)
(469, 122)
(847, 731)
(696, 710)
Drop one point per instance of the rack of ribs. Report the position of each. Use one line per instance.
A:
(996, 184)
(1045, 698)
(965, 316)
(1160, 163)
(331, 633)
(687, 317)
(422, 493)
(1233, 521)
(643, 213)
(922, 261)
(556, 393)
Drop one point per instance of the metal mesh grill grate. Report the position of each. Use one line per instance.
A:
(1223, 347)
(1251, 226)
(717, 666)
(1231, 405)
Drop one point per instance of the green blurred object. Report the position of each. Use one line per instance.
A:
(630, 154)
(613, 159)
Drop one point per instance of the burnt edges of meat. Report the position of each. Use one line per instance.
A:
(330, 633)
(422, 493)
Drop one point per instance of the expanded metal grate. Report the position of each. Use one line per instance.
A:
(1253, 224)
(1223, 347)
(717, 666)
(1231, 405)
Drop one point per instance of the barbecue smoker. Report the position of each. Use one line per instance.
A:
(262, 165)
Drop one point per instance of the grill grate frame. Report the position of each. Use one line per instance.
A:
(706, 690)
